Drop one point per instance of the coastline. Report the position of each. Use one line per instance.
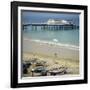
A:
(51, 48)
(54, 55)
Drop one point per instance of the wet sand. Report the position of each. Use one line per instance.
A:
(50, 49)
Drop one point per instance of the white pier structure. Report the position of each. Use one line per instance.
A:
(52, 24)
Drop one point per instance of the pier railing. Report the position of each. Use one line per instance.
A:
(45, 26)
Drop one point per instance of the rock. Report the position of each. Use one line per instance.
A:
(25, 67)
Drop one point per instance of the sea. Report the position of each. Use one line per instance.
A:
(64, 37)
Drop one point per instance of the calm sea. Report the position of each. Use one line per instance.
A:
(68, 37)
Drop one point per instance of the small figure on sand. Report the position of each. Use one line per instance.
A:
(55, 54)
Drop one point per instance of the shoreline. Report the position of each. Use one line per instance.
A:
(69, 46)
(55, 57)
(50, 49)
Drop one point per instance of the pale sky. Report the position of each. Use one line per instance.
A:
(38, 17)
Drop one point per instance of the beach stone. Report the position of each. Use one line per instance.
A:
(25, 66)
(41, 63)
(25, 71)
(40, 70)
(58, 71)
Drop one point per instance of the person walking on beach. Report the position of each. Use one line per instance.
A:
(55, 54)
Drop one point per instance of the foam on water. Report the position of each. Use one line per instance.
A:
(68, 37)
(54, 43)
(55, 40)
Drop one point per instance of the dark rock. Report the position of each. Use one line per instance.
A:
(25, 67)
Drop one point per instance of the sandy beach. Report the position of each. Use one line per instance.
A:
(64, 52)
(54, 55)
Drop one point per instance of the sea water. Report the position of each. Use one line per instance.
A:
(64, 37)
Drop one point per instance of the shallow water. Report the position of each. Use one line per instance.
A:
(68, 37)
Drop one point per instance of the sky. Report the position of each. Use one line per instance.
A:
(28, 17)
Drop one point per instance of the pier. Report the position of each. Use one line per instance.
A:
(52, 25)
